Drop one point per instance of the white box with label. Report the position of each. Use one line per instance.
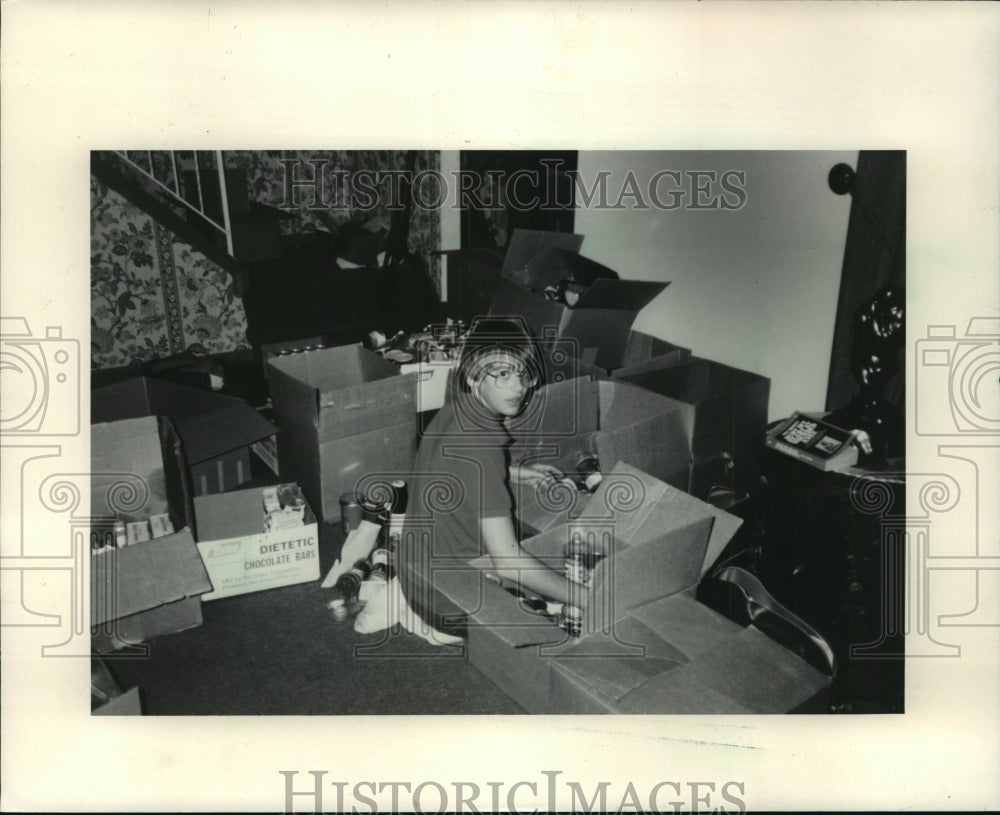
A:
(240, 557)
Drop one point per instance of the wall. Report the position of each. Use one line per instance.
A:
(755, 287)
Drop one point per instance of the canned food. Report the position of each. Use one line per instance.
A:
(571, 619)
(351, 514)
(338, 608)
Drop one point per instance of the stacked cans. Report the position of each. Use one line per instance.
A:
(284, 507)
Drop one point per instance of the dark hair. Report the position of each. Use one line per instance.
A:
(497, 334)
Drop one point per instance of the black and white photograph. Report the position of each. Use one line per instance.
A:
(456, 471)
(500, 408)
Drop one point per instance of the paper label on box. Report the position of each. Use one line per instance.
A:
(264, 561)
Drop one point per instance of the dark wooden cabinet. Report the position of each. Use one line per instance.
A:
(831, 550)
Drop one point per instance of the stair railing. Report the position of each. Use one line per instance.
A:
(173, 189)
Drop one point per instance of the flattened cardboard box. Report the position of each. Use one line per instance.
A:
(344, 413)
(216, 430)
(241, 557)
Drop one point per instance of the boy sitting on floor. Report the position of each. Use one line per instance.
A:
(462, 480)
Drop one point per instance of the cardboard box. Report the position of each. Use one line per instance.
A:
(150, 588)
(643, 352)
(138, 470)
(344, 413)
(144, 591)
(730, 405)
(216, 430)
(240, 557)
(653, 540)
(125, 704)
(302, 345)
(617, 421)
(474, 275)
(648, 646)
(599, 322)
(676, 655)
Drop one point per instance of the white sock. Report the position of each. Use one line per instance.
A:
(388, 606)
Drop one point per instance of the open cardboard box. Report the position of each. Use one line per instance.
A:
(345, 413)
(599, 322)
(730, 405)
(617, 421)
(648, 645)
(147, 589)
(217, 431)
(240, 556)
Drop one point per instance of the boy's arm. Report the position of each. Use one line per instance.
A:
(511, 562)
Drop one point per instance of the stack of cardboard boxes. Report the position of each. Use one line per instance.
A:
(160, 449)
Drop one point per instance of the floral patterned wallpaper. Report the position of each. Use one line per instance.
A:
(153, 296)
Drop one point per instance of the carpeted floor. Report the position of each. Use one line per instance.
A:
(280, 652)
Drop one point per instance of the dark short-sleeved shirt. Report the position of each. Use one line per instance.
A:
(460, 477)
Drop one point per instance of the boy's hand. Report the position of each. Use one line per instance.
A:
(533, 475)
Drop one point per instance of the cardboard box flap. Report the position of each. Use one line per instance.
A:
(127, 452)
(220, 430)
(619, 295)
(334, 369)
(146, 575)
(494, 607)
(692, 627)
(617, 664)
(680, 692)
(209, 423)
(525, 244)
(290, 395)
(554, 264)
(737, 670)
(623, 498)
(675, 508)
(567, 408)
(229, 514)
(233, 514)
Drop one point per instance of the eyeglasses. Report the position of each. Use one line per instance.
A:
(507, 377)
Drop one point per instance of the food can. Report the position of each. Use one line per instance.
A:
(571, 620)
(350, 512)
(339, 609)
